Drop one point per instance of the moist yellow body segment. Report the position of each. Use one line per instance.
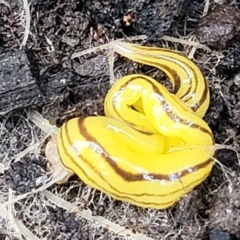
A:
(152, 147)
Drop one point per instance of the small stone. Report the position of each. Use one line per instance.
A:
(219, 26)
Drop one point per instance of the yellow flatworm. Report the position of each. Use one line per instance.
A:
(152, 147)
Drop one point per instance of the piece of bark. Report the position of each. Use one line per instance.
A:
(21, 85)
(18, 86)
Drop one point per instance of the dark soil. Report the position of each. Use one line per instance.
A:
(70, 88)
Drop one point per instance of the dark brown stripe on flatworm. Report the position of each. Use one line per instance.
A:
(202, 100)
(129, 194)
(73, 161)
(178, 82)
(175, 118)
(62, 145)
(175, 75)
(127, 197)
(121, 196)
(128, 176)
(142, 132)
(165, 106)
